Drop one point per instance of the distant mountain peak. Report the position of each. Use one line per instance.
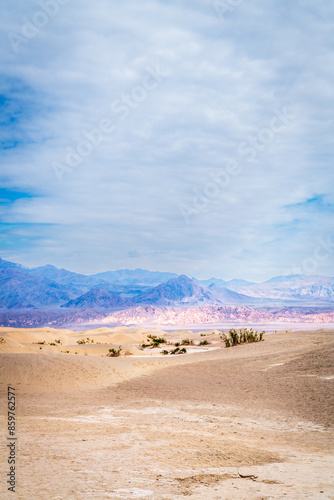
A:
(10, 265)
(47, 266)
(98, 298)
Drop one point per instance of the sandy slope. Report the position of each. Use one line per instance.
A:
(157, 427)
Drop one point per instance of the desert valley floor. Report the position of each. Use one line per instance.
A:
(252, 421)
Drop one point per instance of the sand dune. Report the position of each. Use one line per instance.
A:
(253, 421)
(31, 362)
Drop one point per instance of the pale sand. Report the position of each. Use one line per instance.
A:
(165, 427)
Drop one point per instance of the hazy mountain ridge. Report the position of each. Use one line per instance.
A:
(98, 298)
(177, 291)
(297, 287)
(216, 314)
(136, 276)
(20, 290)
(78, 282)
(231, 284)
(154, 315)
(49, 287)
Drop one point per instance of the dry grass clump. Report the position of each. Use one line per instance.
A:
(85, 341)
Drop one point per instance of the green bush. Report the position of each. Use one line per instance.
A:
(244, 336)
(114, 353)
(154, 341)
(177, 350)
(204, 342)
(186, 342)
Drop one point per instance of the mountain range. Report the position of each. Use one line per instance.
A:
(47, 288)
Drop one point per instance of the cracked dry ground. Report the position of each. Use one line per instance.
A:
(249, 422)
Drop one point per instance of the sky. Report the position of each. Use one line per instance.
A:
(190, 137)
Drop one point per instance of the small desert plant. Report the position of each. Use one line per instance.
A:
(177, 344)
(154, 341)
(177, 350)
(87, 340)
(42, 343)
(187, 342)
(58, 341)
(114, 353)
(52, 343)
(164, 352)
(2, 340)
(204, 342)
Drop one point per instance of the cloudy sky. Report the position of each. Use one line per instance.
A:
(192, 137)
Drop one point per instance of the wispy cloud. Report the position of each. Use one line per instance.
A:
(120, 206)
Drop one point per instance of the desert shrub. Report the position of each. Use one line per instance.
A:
(187, 342)
(58, 341)
(52, 343)
(154, 341)
(204, 342)
(177, 344)
(114, 353)
(2, 340)
(42, 343)
(177, 350)
(244, 336)
(82, 341)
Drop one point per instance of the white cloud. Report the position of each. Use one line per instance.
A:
(120, 206)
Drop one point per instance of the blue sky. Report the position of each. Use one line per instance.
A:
(192, 137)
